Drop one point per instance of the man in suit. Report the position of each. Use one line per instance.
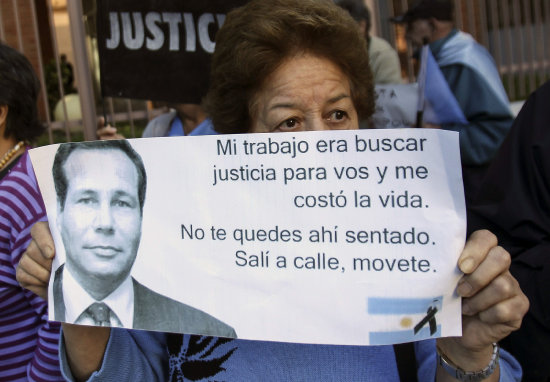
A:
(100, 189)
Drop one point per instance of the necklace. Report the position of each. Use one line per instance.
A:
(11, 152)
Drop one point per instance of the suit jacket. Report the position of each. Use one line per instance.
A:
(153, 311)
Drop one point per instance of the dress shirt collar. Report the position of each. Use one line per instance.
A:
(120, 301)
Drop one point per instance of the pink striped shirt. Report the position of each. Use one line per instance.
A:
(28, 341)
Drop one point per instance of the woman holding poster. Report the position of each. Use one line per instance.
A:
(28, 340)
(298, 65)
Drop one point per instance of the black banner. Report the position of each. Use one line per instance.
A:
(158, 49)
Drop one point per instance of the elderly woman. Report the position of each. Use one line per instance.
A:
(28, 341)
(295, 65)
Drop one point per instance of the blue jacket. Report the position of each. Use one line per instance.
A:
(473, 78)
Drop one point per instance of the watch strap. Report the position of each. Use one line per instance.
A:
(469, 376)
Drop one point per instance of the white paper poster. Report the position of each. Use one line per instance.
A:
(336, 237)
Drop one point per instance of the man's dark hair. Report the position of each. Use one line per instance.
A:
(60, 179)
(357, 9)
(19, 90)
(426, 9)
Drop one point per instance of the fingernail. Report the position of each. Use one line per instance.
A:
(467, 265)
(464, 289)
(466, 310)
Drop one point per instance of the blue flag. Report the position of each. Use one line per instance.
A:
(416, 318)
(440, 104)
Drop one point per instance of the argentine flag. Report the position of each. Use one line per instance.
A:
(407, 319)
(435, 97)
(429, 100)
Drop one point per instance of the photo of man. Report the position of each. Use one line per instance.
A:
(100, 188)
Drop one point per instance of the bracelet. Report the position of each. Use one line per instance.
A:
(469, 376)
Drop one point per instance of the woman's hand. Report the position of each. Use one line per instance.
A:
(35, 266)
(493, 304)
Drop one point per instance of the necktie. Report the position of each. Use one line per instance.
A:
(100, 313)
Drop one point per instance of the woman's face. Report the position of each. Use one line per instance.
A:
(305, 93)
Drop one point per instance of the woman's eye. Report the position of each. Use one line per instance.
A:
(338, 115)
(288, 124)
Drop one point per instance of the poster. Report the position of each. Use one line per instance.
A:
(334, 237)
(395, 106)
(158, 49)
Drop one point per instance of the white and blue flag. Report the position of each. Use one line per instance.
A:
(439, 103)
(407, 319)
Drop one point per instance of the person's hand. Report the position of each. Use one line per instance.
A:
(35, 266)
(108, 132)
(493, 304)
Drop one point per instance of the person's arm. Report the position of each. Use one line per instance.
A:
(43, 365)
(488, 119)
(85, 347)
(35, 333)
(129, 355)
(426, 356)
(493, 306)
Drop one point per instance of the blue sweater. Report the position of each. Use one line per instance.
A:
(133, 355)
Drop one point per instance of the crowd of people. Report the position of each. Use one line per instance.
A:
(269, 77)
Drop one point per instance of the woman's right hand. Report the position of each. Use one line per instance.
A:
(35, 266)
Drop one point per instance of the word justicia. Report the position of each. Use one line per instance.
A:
(244, 174)
(153, 30)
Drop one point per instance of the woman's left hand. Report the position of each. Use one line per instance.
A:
(493, 304)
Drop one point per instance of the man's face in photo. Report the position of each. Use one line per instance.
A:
(100, 223)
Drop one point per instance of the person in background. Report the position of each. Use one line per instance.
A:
(281, 66)
(183, 119)
(67, 74)
(473, 79)
(383, 59)
(28, 341)
(514, 202)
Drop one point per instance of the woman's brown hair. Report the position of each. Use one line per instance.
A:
(257, 37)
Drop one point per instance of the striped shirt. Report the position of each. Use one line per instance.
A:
(28, 342)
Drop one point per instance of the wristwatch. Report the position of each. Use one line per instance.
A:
(469, 376)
